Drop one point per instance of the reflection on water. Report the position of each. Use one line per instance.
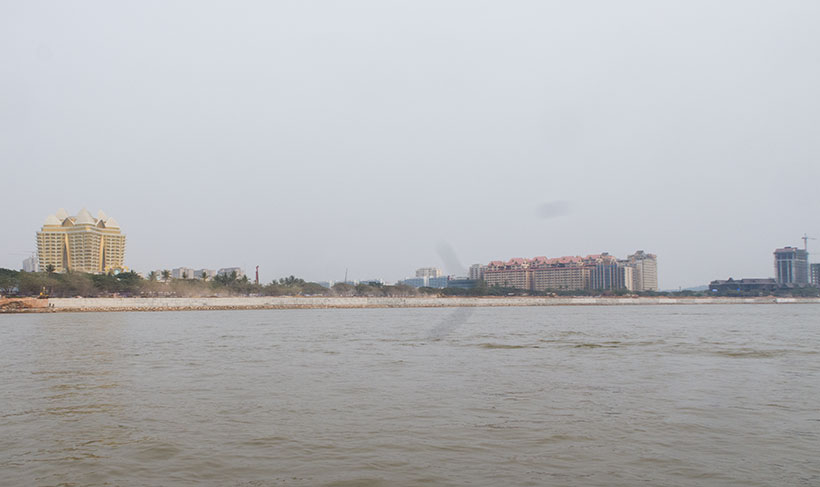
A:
(690, 395)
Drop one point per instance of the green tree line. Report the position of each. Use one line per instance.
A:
(70, 284)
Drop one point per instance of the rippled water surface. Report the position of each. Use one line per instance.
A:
(653, 395)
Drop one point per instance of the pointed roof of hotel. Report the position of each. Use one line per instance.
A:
(61, 214)
(52, 220)
(84, 218)
(112, 223)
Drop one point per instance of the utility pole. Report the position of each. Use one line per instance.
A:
(257, 275)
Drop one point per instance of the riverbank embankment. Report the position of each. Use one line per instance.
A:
(13, 305)
(317, 302)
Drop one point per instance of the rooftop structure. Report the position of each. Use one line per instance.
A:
(81, 243)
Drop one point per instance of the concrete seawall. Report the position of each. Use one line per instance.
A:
(290, 302)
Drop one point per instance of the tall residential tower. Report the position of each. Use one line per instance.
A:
(645, 275)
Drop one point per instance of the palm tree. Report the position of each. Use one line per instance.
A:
(50, 268)
(152, 276)
(166, 274)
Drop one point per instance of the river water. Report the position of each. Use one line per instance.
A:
(653, 395)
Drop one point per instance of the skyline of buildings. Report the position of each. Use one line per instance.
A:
(84, 243)
(791, 268)
(638, 273)
(80, 243)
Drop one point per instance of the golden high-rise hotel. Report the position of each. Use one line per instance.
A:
(81, 243)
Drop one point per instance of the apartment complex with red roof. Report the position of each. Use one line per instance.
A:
(638, 272)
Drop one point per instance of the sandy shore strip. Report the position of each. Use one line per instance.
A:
(299, 302)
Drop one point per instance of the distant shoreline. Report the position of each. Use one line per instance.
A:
(290, 302)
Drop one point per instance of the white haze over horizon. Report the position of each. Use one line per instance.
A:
(311, 137)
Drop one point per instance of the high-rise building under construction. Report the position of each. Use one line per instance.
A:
(791, 266)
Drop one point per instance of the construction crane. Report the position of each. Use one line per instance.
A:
(806, 239)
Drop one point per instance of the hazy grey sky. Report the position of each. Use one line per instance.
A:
(309, 137)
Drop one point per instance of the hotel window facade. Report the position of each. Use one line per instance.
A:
(81, 243)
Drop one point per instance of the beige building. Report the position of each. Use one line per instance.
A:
(513, 273)
(645, 271)
(517, 278)
(627, 277)
(571, 278)
(81, 243)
